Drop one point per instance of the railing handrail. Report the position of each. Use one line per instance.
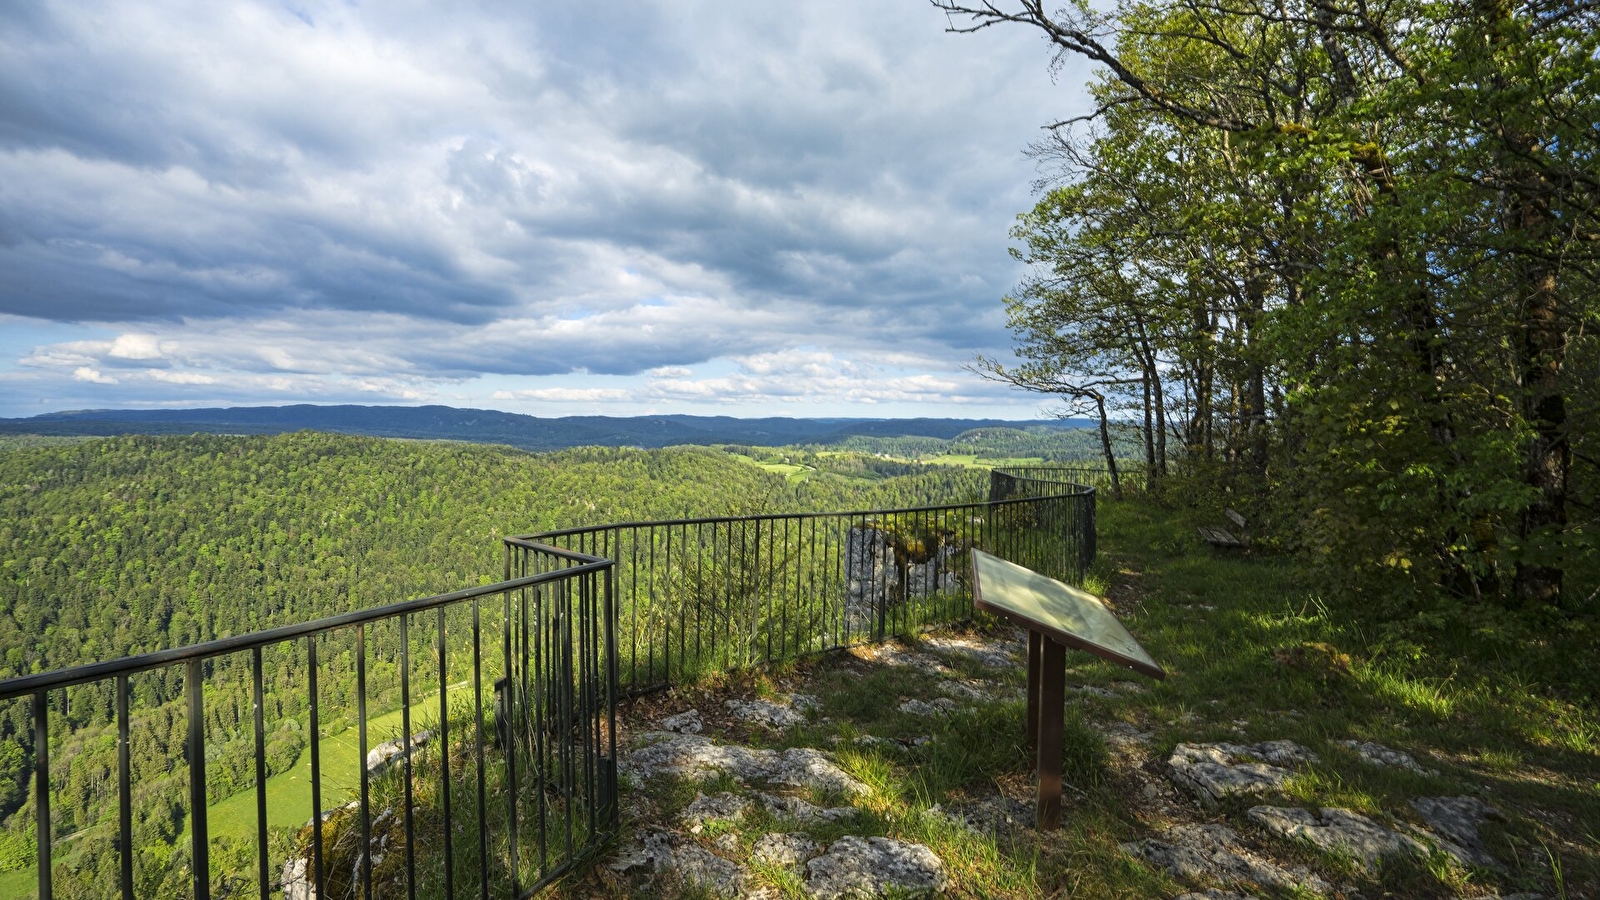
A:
(521, 540)
(83, 674)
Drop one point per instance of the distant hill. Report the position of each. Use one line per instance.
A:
(495, 427)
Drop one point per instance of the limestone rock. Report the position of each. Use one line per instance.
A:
(698, 867)
(992, 654)
(853, 866)
(1213, 853)
(297, 880)
(1341, 831)
(1094, 690)
(1379, 755)
(972, 691)
(658, 851)
(803, 812)
(651, 851)
(724, 806)
(1214, 894)
(779, 849)
(686, 722)
(379, 757)
(765, 712)
(928, 707)
(1214, 771)
(1124, 737)
(696, 756)
(809, 767)
(1455, 820)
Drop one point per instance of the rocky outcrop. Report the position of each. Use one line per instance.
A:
(1455, 821)
(853, 866)
(1202, 853)
(1214, 771)
(696, 756)
(1340, 831)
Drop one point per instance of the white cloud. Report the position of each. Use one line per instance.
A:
(566, 395)
(93, 376)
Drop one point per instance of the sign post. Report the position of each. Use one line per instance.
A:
(1057, 616)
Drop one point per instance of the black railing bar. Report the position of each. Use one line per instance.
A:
(76, 675)
(258, 716)
(512, 738)
(529, 542)
(44, 832)
(125, 787)
(477, 700)
(200, 836)
(405, 728)
(526, 539)
(314, 707)
(444, 761)
(361, 751)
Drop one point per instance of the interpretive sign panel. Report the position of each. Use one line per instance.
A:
(1057, 616)
(1076, 618)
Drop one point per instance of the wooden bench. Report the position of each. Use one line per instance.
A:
(1222, 537)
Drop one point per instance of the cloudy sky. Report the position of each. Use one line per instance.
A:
(620, 207)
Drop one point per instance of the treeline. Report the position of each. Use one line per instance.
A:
(1034, 441)
(1338, 261)
(126, 545)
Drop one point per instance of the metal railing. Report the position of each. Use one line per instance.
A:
(581, 617)
(696, 595)
(547, 766)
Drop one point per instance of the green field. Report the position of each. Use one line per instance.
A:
(974, 461)
(791, 473)
(289, 793)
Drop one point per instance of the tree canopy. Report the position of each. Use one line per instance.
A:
(1344, 253)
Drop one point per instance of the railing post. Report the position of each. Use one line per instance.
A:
(200, 837)
(41, 789)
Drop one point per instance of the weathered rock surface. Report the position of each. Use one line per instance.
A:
(1214, 771)
(379, 757)
(1213, 853)
(973, 691)
(779, 849)
(724, 807)
(1340, 831)
(1214, 894)
(803, 812)
(994, 655)
(767, 713)
(928, 707)
(659, 851)
(1379, 755)
(896, 655)
(853, 866)
(1455, 820)
(697, 866)
(686, 722)
(1125, 738)
(696, 756)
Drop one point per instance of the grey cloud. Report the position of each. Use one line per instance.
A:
(835, 174)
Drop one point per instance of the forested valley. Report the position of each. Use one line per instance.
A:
(113, 547)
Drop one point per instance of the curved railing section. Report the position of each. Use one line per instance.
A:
(707, 594)
(529, 798)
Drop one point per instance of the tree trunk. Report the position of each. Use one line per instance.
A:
(1105, 446)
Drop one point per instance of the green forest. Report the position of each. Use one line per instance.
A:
(112, 547)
